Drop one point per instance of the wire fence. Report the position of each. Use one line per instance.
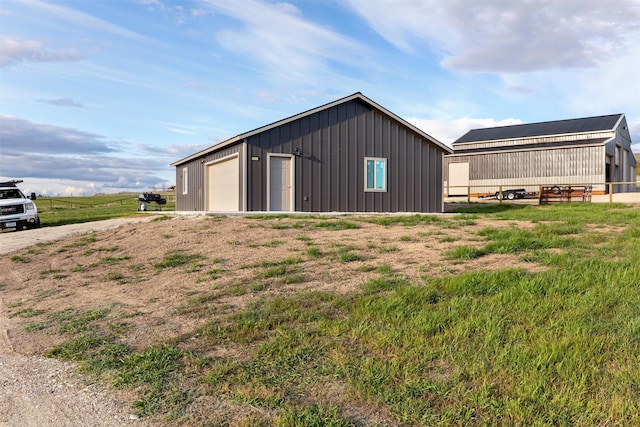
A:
(92, 201)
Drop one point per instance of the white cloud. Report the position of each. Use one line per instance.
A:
(505, 35)
(447, 131)
(608, 88)
(573, 57)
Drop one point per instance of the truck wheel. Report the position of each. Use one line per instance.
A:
(511, 196)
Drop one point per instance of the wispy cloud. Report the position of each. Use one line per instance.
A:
(63, 102)
(173, 151)
(283, 42)
(14, 50)
(80, 19)
(198, 86)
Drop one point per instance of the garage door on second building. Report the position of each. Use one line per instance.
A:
(458, 179)
(223, 185)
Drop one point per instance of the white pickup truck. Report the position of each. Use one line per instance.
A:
(16, 210)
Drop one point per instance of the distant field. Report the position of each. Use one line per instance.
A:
(71, 210)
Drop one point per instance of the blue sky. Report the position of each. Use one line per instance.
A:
(101, 95)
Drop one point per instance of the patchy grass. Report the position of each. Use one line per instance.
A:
(464, 252)
(27, 313)
(94, 250)
(21, 259)
(336, 224)
(314, 252)
(177, 259)
(557, 346)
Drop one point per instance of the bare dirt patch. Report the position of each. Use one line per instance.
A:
(162, 279)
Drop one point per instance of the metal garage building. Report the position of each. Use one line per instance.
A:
(585, 151)
(350, 155)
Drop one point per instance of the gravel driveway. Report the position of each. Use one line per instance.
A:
(40, 392)
(11, 241)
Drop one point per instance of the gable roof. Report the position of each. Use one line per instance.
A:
(557, 127)
(356, 96)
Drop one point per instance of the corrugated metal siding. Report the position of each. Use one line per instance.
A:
(195, 199)
(578, 165)
(330, 172)
(543, 163)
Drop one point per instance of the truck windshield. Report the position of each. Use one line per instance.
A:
(11, 193)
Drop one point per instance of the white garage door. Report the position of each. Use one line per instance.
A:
(223, 185)
(458, 179)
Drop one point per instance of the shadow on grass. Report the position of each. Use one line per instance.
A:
(484, 208)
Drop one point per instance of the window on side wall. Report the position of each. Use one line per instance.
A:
(185, 181)
(375, 178)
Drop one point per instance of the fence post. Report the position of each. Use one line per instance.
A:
(500, 194)
(610, 192)
(539, 194)
(468, 194)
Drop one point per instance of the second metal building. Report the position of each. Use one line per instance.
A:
(586, 151)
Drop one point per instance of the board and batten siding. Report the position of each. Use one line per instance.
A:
(571, 165)
(195, 198)
(329, 169)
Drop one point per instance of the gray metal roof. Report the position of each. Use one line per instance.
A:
(558, 127)
(462, 150)
(356, 96)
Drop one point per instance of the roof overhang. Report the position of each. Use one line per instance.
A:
(356, 96)
(533, 147)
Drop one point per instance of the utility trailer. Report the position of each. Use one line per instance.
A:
(518, 193)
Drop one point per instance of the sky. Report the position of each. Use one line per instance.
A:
(100, 96)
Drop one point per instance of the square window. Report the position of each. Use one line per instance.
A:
(375, 174)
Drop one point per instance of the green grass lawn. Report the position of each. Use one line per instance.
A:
(556, 347)
(70, 210)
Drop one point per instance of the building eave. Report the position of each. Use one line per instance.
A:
(356, 96)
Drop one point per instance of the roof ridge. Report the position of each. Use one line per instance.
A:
(538, 129)
(552, 121)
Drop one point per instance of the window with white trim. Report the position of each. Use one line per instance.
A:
(375, 177)
(185, 181)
